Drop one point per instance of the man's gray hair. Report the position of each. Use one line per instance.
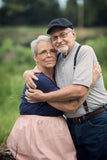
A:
(34, 43)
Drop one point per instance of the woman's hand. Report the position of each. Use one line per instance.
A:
(96, 73)
(29, 76)
(34, 95)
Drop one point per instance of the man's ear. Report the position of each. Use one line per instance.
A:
(74, 34)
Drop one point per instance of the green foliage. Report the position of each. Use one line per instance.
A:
(7, 46)
(11, 90)
(21, 35)
(72, 11)
(14, 54)
(24, 55)
(100, 47)
(14, 60)
(93, 11)
(104, 72)
(28, 12)
(40, 12)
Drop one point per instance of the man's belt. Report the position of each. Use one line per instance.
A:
(88, 116)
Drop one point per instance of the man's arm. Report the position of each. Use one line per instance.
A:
(71, 92)
(66, 106)
(72, 106)
(65, 94)
(68, 93)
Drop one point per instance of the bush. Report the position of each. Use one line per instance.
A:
(100, 47)
(6, 47)
(23, 55)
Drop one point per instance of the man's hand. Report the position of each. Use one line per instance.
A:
(34, 95)
(29, 76)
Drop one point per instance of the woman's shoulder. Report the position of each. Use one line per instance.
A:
(41, 76)
(44, 83)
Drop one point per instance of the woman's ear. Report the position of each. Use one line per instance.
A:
(35, 59)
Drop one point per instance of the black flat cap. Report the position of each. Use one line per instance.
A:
(59, 22)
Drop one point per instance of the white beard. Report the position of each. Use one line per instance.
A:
(63, 50)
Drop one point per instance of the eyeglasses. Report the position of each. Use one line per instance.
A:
(45, 53)
(61, 35)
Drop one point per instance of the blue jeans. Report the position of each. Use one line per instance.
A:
(90, 137)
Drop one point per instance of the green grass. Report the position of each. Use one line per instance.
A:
(16, 57)
(10, 104)
(104, 73)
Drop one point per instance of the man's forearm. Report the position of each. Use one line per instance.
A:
(70, 106)
(65, 94)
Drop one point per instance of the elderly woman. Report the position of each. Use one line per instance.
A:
(41, 133)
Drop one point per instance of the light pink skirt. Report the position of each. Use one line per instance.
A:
(41, 138)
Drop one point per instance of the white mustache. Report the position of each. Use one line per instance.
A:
(59, 44)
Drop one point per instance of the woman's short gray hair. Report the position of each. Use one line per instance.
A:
(34, 43)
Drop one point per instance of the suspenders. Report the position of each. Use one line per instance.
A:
(85, 103)
(76, 56)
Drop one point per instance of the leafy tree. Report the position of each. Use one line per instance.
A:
(28, 11)
(72, 11)
(42, 11)
(95, 12)
(38, 12)
(12, 11)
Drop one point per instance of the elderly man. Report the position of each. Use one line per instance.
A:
(73, 74)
